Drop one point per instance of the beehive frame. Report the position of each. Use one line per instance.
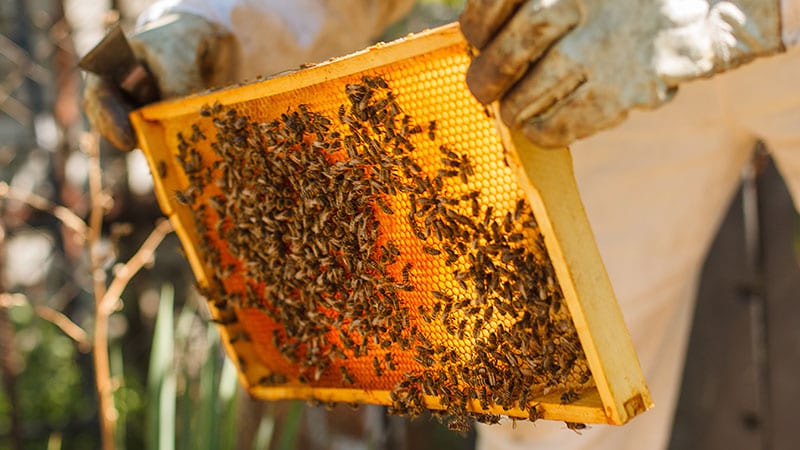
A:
(620, 391)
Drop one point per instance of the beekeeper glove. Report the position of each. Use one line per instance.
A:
(564, 69)
(184, 52)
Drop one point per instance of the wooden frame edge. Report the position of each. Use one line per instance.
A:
(622, 393)
(588, 409)
(549, 183)
(360, 61)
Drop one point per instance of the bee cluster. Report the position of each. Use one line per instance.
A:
(298, 202)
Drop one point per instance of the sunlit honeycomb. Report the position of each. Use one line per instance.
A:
(506, 343)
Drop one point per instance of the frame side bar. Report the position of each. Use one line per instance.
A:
(547, 178)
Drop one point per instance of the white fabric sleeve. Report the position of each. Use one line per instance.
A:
(277, 35)
(790, 22)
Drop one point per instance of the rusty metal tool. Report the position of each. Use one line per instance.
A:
(114, 60)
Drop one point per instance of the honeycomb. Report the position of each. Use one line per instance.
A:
(365, 234)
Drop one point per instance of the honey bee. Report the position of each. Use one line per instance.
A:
(459, 423)
(423, 312)
(244, 337)
(184, 197)
(487, 314)
(346, 377)
(576, 427)
(476, 329)
(483, 397)
(569, 397)
(272, 379)
(162, 169)
(225, 320)
(451, 256)
(389, 361)
(405, 272)
(197, 134)
(518, 209)
(462, 326)
(534, 413)
(383, 206)
(487, 217)
(430, 250)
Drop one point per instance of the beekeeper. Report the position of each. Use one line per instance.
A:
(655, 186)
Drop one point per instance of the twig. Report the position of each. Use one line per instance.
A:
(67, 217)
(91, 145)
(107, 413)
(70, 328)
(142, 256)
(105, 298)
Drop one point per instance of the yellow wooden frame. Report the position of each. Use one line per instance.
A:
(548, 181)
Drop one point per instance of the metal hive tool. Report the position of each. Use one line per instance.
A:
(366, 232)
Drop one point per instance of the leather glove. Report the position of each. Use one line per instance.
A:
(183, 52)
(565, 69)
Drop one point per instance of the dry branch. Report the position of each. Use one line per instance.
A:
(123, 275)
(67, 217)
(70, 328)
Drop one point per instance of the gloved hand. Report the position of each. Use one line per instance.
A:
(184, 53)
(565, 69)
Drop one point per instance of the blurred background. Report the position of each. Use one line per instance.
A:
(172, 385)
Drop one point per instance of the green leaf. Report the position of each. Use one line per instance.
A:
(207, 436)
(184, 429)
(161, 384)
(292, 426)
(266, 428)
(228, 397)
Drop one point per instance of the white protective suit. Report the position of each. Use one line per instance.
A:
(655, 188)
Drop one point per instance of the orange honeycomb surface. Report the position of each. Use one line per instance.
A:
(478, 353)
